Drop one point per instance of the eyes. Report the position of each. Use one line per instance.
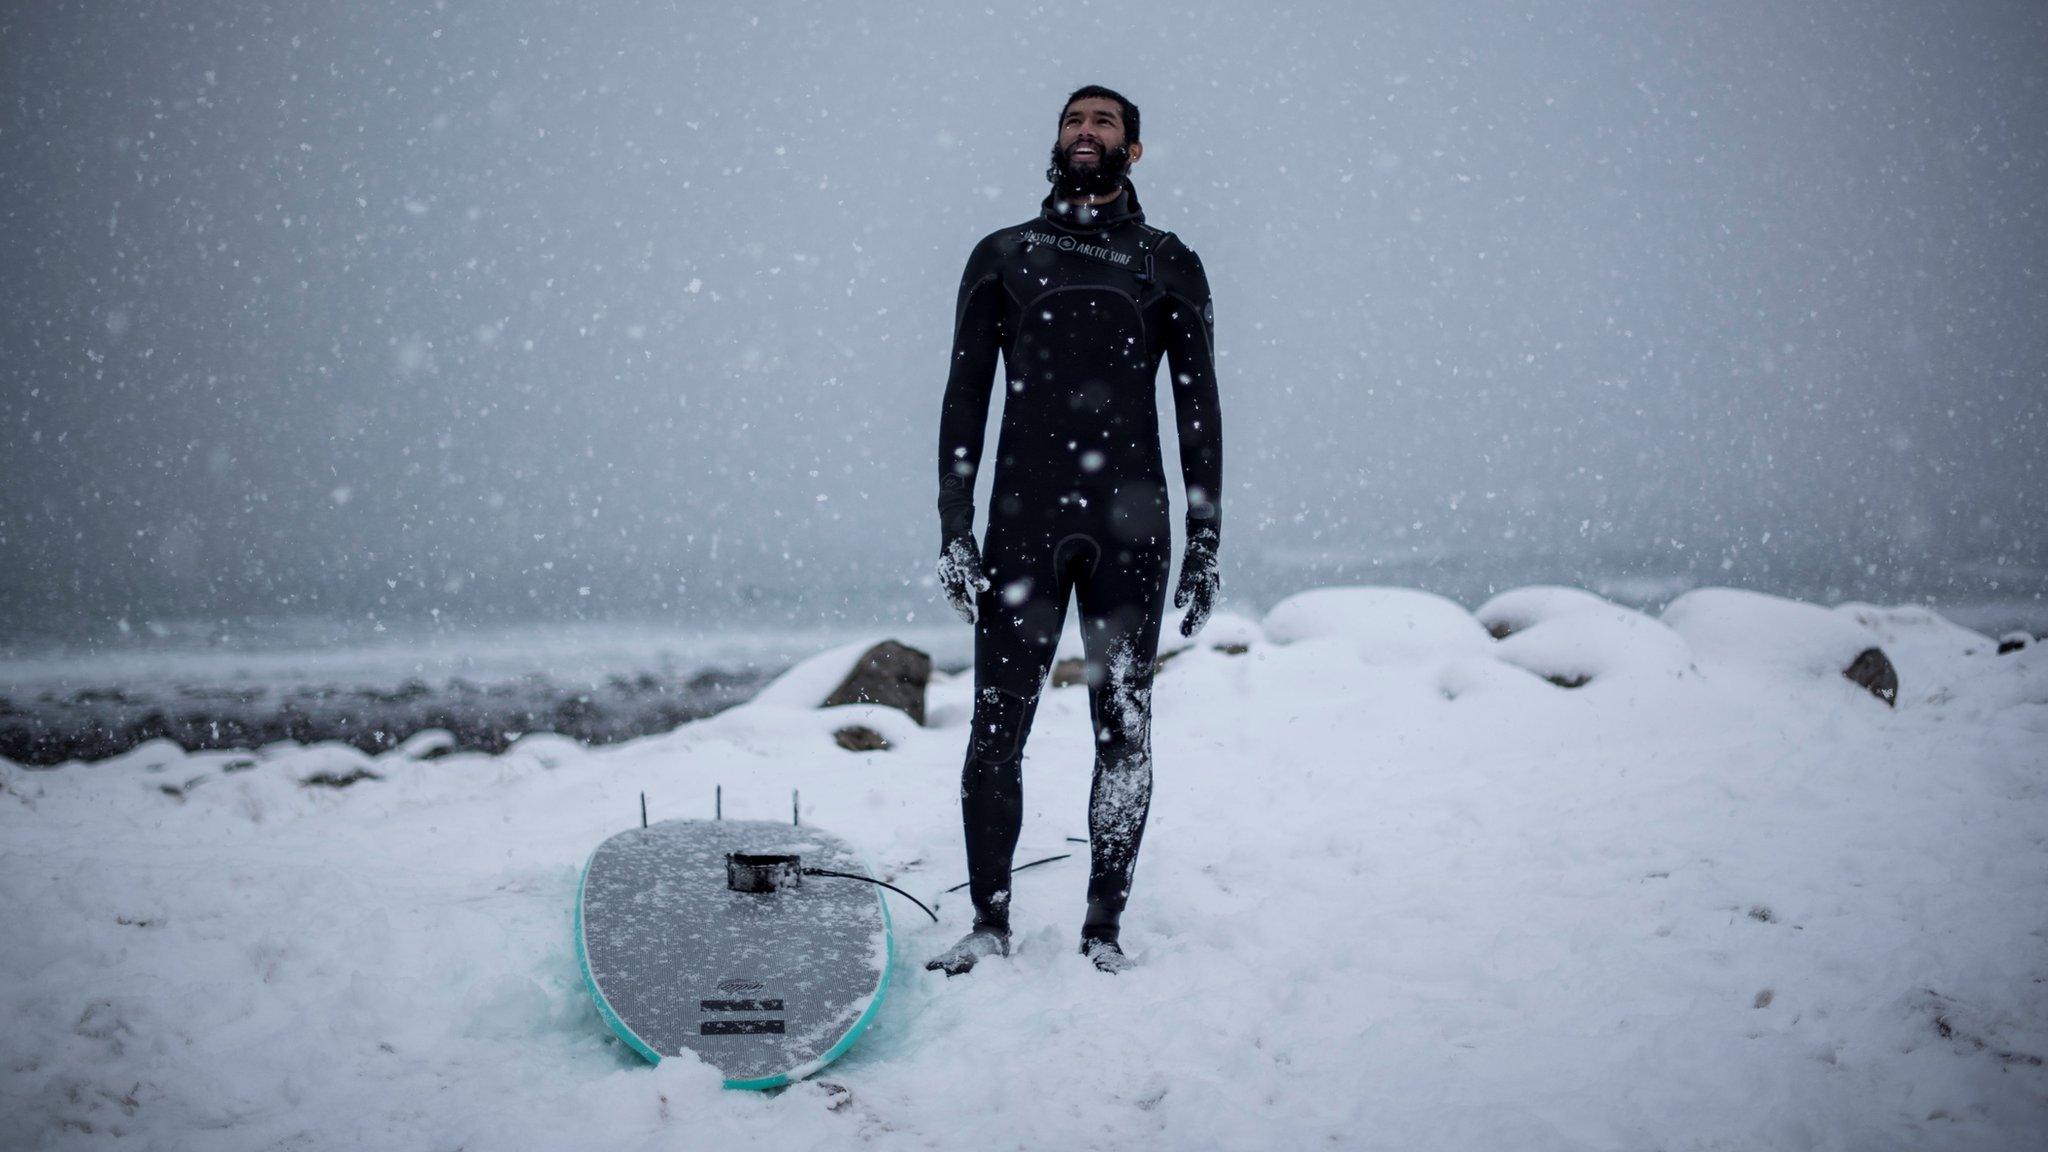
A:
(1106, 119)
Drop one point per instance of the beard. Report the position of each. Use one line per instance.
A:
(1104, 176)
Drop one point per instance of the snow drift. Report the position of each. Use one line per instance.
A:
(1403, 888)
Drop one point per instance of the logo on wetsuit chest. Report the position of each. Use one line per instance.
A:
(1069, 244)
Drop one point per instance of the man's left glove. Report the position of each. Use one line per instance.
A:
(1199, 580)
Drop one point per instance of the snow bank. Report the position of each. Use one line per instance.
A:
(1597, 646)
(1733, 626)
(1748, 631)
(1521, 608)
(1573, 638)
(1913, 635)
(1383, 625)
(1398, 891)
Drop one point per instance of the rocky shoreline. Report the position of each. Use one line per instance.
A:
(47, 726)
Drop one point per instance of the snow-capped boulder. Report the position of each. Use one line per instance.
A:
(149, 756)
(862, 672)
(548, 750)
(1739, 628)
(1578, 643)
(1519, 608)
(332, 764)
(427, 744)
(1911, 632)
(1388, 625)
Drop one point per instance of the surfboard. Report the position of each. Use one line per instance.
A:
(767, 986)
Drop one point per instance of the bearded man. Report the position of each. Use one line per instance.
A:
(1082, 301)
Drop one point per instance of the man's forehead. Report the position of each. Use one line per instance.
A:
(1095, 104)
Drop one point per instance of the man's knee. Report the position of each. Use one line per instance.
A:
(1122, 687)
(999, 718)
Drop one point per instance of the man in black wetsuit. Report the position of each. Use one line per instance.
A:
(1082, 301)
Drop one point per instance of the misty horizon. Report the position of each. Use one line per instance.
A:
(488, 315)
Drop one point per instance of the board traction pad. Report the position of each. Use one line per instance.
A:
(766, 987)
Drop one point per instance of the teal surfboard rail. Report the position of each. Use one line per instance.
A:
(604, 1006)
(759, 1083)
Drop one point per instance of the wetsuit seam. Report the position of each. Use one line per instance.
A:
(1094, 559)
(1208, 339)
(967, 304)
(1144, 331)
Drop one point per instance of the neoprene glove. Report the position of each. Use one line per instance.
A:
(1199, 580)
(960, 574)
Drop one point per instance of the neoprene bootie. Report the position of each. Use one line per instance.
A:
(985, 940)
(1099, 939)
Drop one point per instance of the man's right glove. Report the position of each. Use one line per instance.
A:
(960, 575)
(1199, 580)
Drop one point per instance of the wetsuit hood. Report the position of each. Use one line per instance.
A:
(1074, 216)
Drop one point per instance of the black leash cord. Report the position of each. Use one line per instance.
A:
(872, 880)
(1018, 868)
(915, 900)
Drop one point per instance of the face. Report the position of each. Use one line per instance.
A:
(1090, 155)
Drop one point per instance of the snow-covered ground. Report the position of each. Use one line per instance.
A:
(1399, 890)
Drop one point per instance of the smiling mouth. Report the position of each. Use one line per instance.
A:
(1086, 150)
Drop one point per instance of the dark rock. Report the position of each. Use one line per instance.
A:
(155, 726)
(341, 780)
(890, 674)
(1226, 649)
(2013, 642)
(1069, 672)
(178, 792)
(100, 696)
(1872, 670)
(1574, 680)
(410, 690)
(710, 680)
(861, 738)
(577, 715)
(230, 695)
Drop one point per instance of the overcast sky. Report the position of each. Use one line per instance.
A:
(530, 309)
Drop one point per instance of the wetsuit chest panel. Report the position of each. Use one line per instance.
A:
(1045, 265)
(1082, 357)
